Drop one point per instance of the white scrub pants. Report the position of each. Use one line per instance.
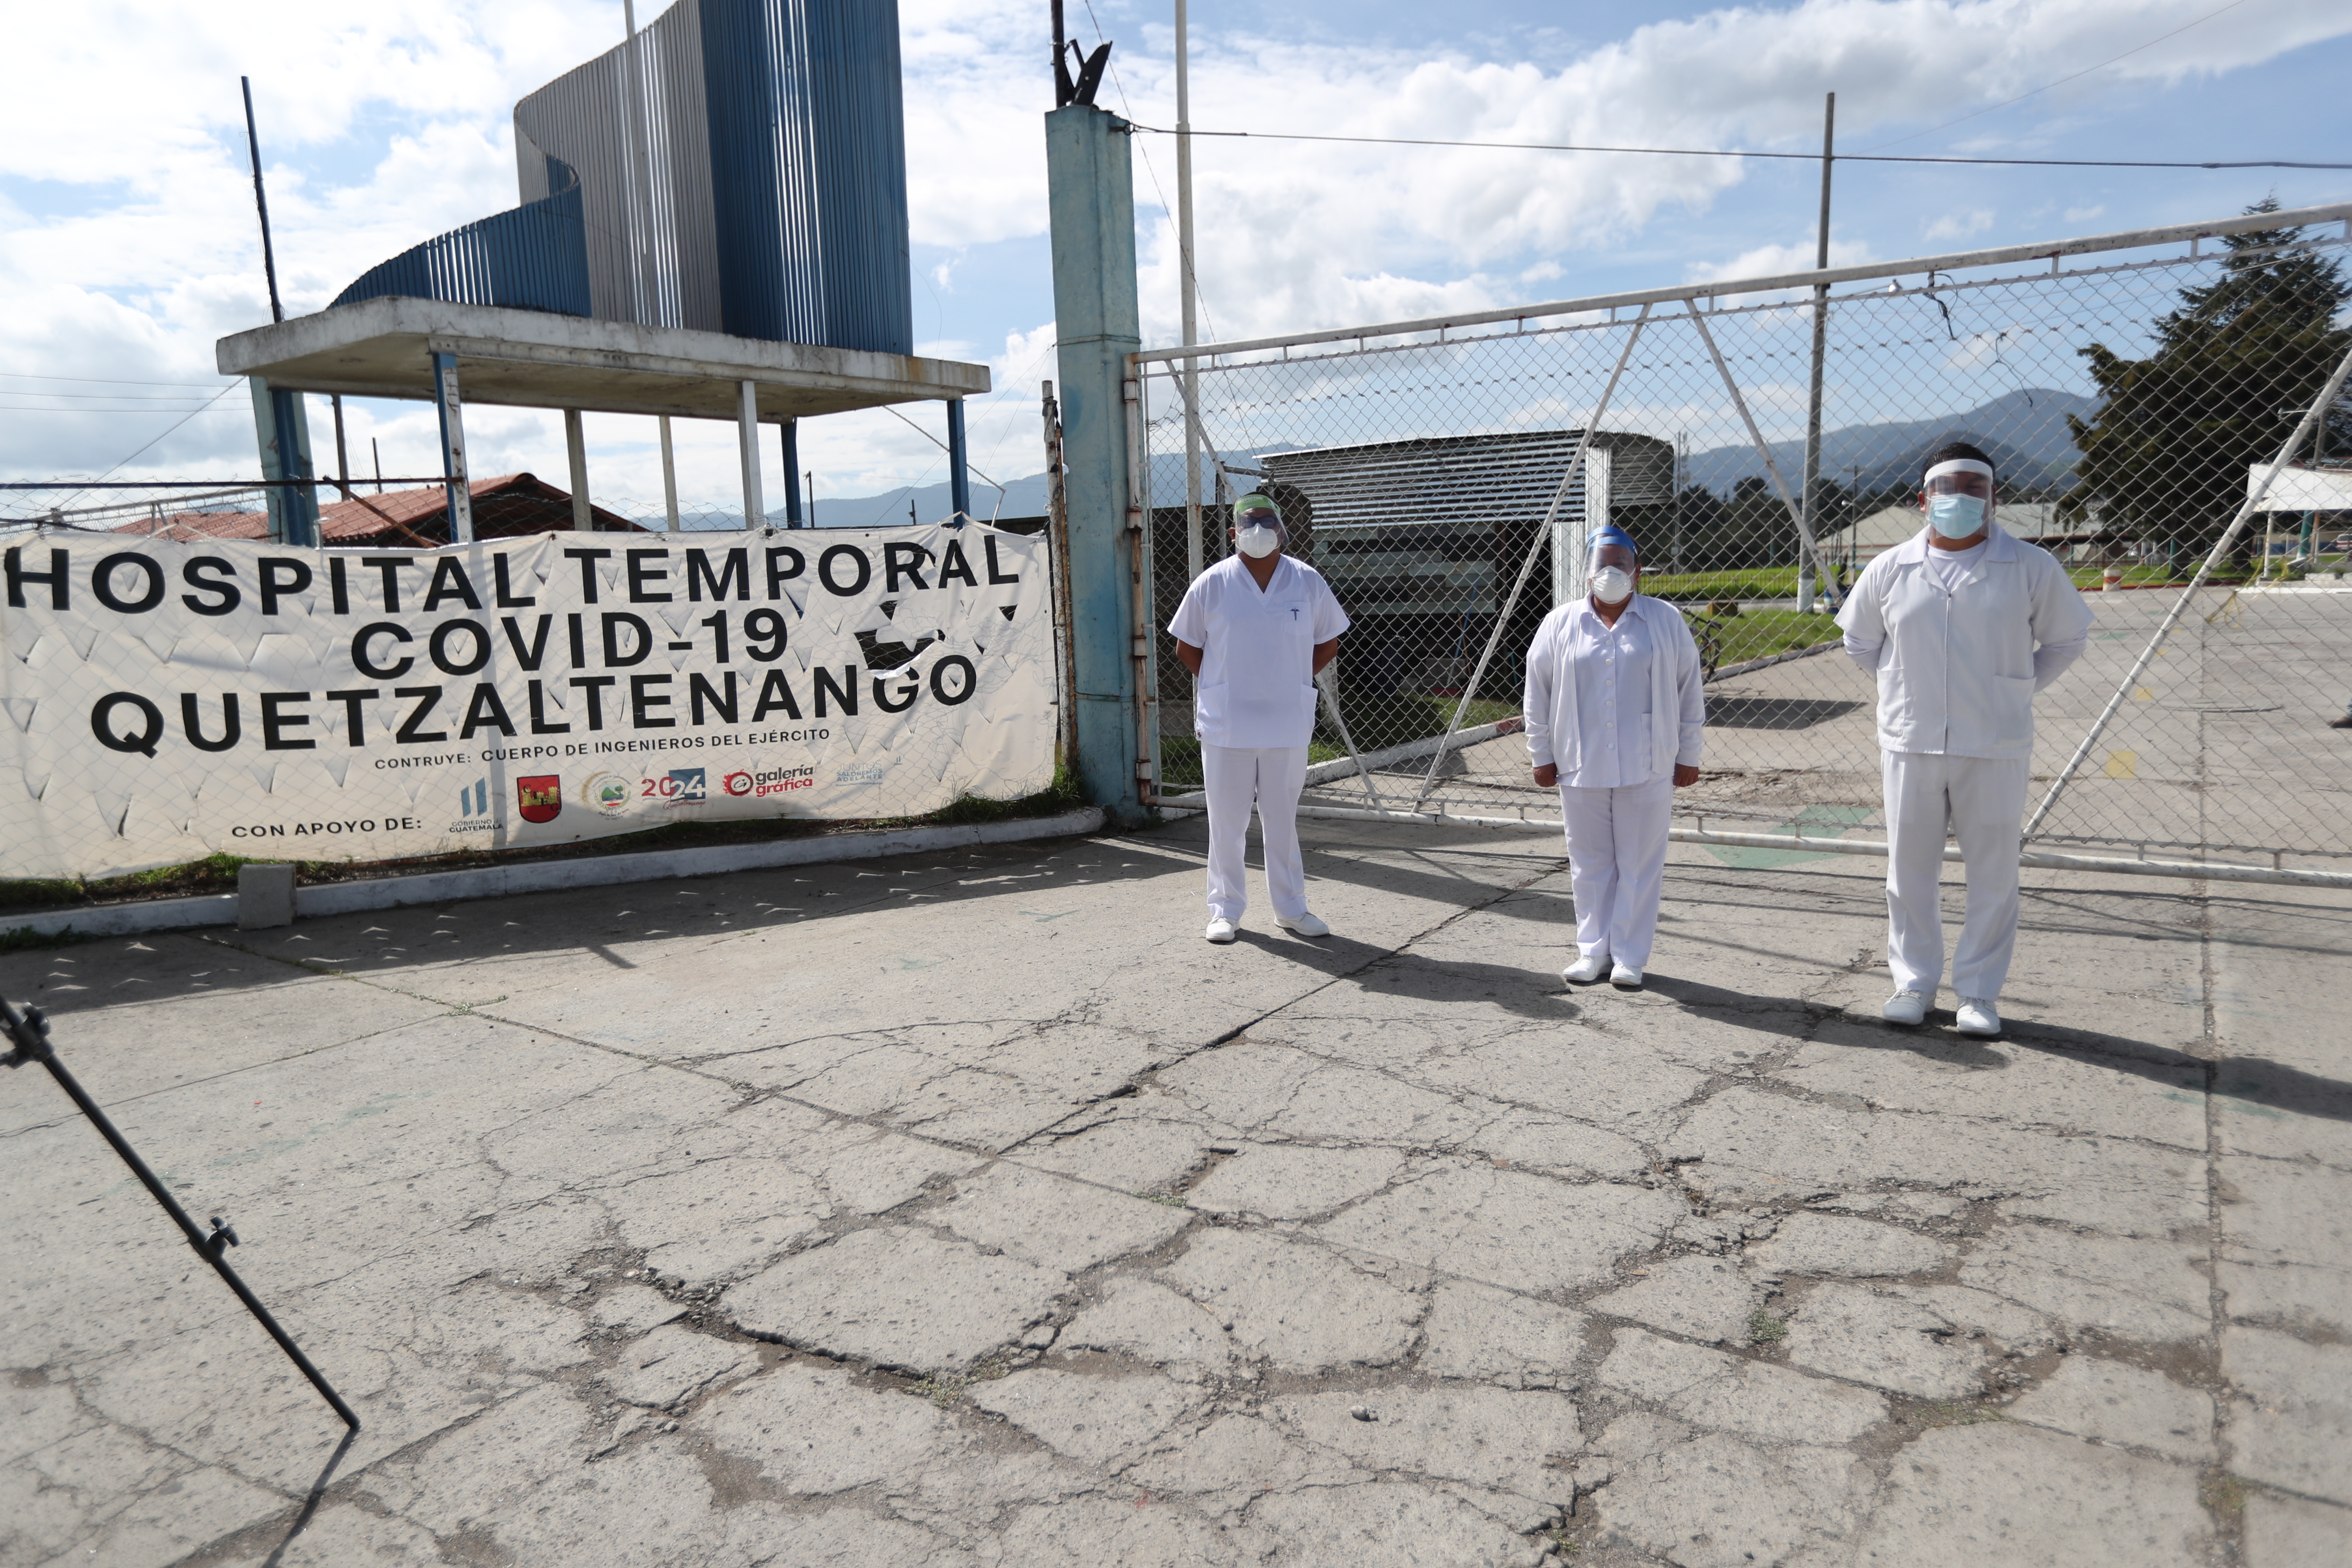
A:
(1982, 802)
(1271, 776)
(1617, 866)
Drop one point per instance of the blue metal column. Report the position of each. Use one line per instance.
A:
(451, 406)
(1090, 192)
(959, 475)
(793, 473)
(282, 427)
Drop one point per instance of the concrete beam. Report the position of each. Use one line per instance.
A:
(535, 359)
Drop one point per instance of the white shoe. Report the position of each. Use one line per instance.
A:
(1585, 970)
(1220, 930)
(1905, 1007)
(1625, 977)
(1976, 1016)
(1305, 923)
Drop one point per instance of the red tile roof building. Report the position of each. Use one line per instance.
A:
(417, 519)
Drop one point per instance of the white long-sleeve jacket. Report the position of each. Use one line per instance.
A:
(1556, 733)
(1956, 671)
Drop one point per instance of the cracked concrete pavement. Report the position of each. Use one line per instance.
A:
(968, 1209)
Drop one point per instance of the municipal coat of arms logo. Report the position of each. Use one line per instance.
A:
(541, 796)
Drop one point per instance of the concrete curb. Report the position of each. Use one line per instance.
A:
(552, 875)
(1345, 768)
(1746, 665)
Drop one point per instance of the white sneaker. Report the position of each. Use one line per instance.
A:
(1220, 930)
(1305, 923)
(1976, 1016)
(1625, 977)
(1585, 970)
(1905, 1007)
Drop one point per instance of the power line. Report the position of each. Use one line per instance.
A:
(1744, 152)
(108, 396)
(104, 380)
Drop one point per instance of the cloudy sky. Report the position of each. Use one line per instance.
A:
(128, 243)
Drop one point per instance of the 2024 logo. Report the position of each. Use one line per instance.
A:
(679, 786)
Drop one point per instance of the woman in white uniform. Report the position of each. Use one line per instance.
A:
(1256, 628)
(1615, 714)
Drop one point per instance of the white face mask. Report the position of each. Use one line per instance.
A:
(1955, 516)
(1613, 585)
(1257, 543)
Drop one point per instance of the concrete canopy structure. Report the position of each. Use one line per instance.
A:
(714, 225)
(536, 359)
(409, 348)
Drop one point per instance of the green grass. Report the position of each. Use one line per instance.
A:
(1745, 583)
(1759, 634)
(1764, 1329)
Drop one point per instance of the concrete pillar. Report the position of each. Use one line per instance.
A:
(451, 406)
(959, 472)
(669, 475)
(1090, 192)
(792, 518)
(747, 438)
(1569, 552)
(575, 452)
(282, 427)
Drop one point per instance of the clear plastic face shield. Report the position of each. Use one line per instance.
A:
(1612, 570)
(1257, 527)
(1958, 497)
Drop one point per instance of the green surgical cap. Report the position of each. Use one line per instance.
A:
(1254, 501)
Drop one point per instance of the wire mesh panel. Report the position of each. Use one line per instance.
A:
(2133, 399)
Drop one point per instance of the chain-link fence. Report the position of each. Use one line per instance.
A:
(2134, 393)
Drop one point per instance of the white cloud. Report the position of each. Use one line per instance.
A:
(130, 244)
(1959, 225)
(1773, 260)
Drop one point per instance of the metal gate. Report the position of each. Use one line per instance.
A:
(2166, 410)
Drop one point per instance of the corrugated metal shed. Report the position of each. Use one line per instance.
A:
(1415, 527)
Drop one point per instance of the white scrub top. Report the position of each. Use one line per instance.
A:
(1955, 664)
(1614, 706)
(1257, 648)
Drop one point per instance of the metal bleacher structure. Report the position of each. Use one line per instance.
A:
(713, 226)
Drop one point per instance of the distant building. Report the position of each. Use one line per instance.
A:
(2324, 487)
(1421, 538)
(504, 508)
(2038, 521)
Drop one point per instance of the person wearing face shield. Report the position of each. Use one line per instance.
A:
(1962, 624)
(1615, 714)
(1256, 629)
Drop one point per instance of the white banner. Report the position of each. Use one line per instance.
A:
(166, 701)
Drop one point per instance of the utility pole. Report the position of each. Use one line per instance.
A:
(261, 201)
(1821, 340)
(1191, 306)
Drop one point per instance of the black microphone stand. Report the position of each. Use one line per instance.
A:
(30, 1032)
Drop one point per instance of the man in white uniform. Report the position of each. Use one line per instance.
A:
(1962, 625)
(1256, 628)
(1614, 715)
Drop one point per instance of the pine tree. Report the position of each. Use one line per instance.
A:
(2232, 371)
